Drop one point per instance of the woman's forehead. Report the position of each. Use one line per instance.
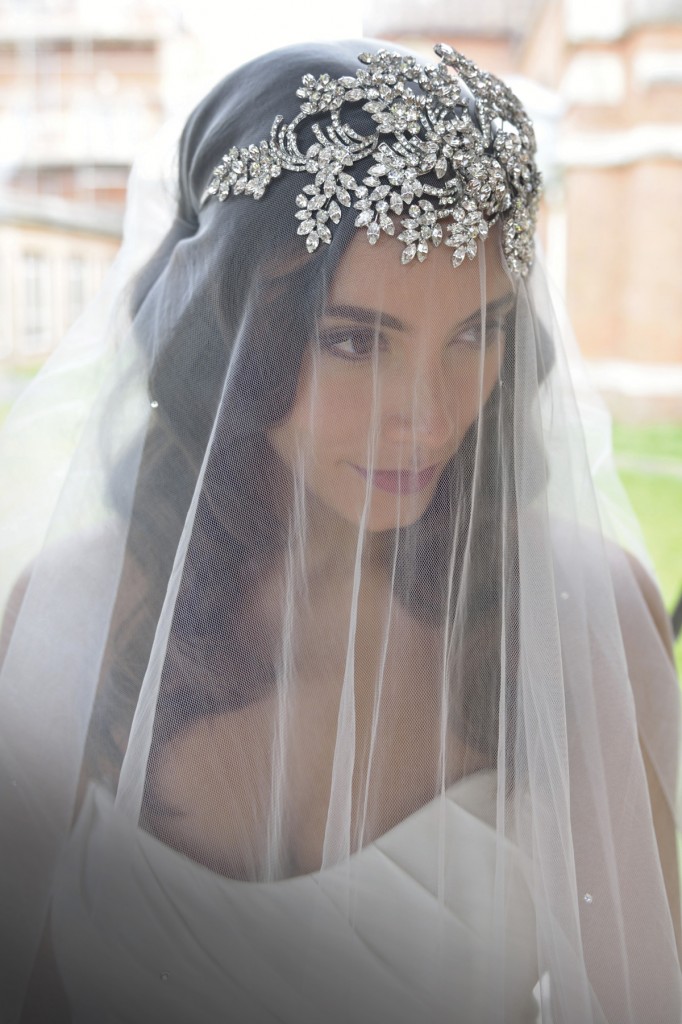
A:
(373, 277)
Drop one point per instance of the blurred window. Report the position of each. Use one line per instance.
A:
(76, 287)
(36, 334)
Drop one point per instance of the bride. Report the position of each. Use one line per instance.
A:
(334, 687)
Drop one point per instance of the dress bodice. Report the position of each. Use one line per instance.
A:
(404, 931)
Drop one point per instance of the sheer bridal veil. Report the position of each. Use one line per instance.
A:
(333, 686)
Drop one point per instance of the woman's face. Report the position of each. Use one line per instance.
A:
(400, 367)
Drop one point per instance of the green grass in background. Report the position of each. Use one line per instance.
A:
(656, 440)
(649, 460)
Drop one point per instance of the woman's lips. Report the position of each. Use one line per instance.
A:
(403, 481)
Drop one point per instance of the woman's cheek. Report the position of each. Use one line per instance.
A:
(338, 415)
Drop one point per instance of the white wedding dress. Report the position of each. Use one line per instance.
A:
(144, 934)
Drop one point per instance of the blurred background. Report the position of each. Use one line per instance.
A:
(85, 84)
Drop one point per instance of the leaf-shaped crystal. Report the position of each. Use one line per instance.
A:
(305, 227)
(363, 218)
(408, 254)
(414, 134)
(324, 233)
(373, 232)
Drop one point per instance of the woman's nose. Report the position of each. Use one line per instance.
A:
(422, 410)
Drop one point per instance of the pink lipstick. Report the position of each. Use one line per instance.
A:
(402, 481)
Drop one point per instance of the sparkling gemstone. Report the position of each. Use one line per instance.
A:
(588, 898)
(409, 253)
(481, 176)
(373, 232)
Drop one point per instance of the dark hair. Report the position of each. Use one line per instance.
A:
(195, 376)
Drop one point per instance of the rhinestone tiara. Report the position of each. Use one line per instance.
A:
(440, 161)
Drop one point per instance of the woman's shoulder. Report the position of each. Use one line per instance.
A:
(606, 574)
(68, 576)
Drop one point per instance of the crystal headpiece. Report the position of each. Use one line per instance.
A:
(438, 162)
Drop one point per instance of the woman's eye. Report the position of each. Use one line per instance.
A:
(350, 345)
(471, 337)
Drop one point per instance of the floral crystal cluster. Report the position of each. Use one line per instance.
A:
(452, 154)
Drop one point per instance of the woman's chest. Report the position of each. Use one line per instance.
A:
(326, 763)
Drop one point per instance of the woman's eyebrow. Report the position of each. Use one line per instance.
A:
(491, 307)
(373, 318)
(361, 315)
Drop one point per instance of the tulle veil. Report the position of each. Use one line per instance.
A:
(335, 684)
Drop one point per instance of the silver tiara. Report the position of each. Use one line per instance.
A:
(446, 171)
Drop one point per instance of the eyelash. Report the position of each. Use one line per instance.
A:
(333, 342)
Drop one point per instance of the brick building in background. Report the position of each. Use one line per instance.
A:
(81, 88)
(618, 67)
(612, 219)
